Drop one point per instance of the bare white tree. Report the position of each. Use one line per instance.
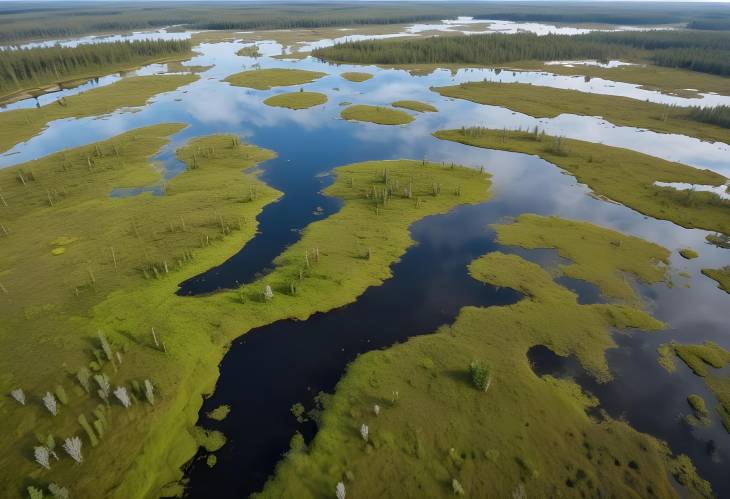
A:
(84, 377)
(268, 294)
(149, 391)
(58, 491)
(123, 396)
(105, 346)
(340, 490)
(34, 493)
(364, 432)
(456, 486)
(49, 400)
(72, 446)
(376, 409)
(104, 386)
(18, 395)
(119, 357)
(42, 456)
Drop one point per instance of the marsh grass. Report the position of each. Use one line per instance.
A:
(413, 105)
(376, 114)
(622, 175)
(547, 102)
(265, 79)
(297, 100)
(22, 124)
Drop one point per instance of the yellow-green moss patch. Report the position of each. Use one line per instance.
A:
(688, 253)
(548, 102)
(376, 114)
(219, 413)
(619, 174)
(356, 77)
(598, 255)
(297, 100)
(699, 357)
(721, 275)
(264, 79)
(415, 105)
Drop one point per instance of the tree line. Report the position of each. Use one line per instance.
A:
(23, 20)
(23, 68)
(707, 52)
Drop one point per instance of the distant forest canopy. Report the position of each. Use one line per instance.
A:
(707, 52)
(25, 68)
(24, 20)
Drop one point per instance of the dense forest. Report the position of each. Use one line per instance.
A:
(708, 52)
(719, 115)
(25, 68)
(24, 20)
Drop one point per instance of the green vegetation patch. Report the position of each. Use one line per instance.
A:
(210, 440)
(265, 79)
(547, 102)
(598, 255)
(297, 100)
(219, 413)
(524, 435)
(356, 76)
(415, 105)
(688, 253)
(698, 357)
(721, 275)
(21, 124)
(376, 114)
(666, 357)
(697, 404)
(619, 174)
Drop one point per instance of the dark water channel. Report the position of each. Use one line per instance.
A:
(271, 368)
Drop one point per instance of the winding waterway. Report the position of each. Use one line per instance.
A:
(271, 368)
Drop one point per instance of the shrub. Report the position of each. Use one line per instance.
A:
(480, 375)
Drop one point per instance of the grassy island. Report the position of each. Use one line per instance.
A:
(297, 100)
(415, 105)
(356, 77)
(376, 114)
(619, 174)
(265, 79)
(21, 124)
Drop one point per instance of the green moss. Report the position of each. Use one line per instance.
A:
(212, 459)
(721, 275)
(250, 51)
(21, 124)
(440, 429)
(548, 102)
(297, 100)
(265, 79)
(697, 404)
(210, 440)
(688, 253)
(376, 114)
(698, 357)
(620, 174)
(598, 255)
(356, 76)
(721, 388)
(415, 105)
(666, 357)
(219, 413)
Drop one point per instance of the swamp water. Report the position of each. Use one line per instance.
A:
(271, 368)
